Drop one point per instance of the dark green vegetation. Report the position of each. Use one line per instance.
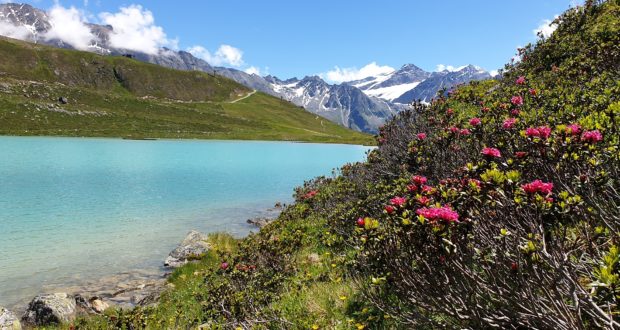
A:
(504, 213)
(120, 97)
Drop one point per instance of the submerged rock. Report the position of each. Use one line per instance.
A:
(259, 222)
(48, 309)
(8, 320)
(194, 246)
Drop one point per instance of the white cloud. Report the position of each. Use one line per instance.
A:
(493, 73)
(546, 28)
(225, 55)
(13, 31)
(451, 68)
(253, 70)
(339, 75)
(135, 29)
(69, 25)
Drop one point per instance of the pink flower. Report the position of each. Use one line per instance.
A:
(398, 201)
(421, 136)
(423, 200)
(573, 129)
(475, 121)
(491, 152)
(389, 209)
(520, 154)
(450, 112)
(520, 80)
(509, 123)
(428, 190)
(454, 129)
(542, 132)
(538, 186)
(412, 188)
(515, 112)
(533, 92)
(418, 180)
(310, 194)
(592, 136)
(465, 131)
(517, 100)
(435, 214)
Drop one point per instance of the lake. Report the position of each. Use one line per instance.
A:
(73, 209)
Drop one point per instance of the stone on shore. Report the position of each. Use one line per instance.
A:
(8, 320)
(259, 222)
(46, 309)
(193, 247)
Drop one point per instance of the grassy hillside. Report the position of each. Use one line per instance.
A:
(121, 97)
(494, 207)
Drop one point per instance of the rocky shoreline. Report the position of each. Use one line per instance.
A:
(125, 290)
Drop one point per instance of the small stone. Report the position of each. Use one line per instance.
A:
(98, 305)
(314, 258)
(8, 320)
(63, 100)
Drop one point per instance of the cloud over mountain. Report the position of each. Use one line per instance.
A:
(339, 75)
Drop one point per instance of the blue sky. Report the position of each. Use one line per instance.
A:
(298, 38)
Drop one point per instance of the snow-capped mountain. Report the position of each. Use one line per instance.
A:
(390, 86)
(411, 83)
(344, 104)
(22, 21)
(428, 88)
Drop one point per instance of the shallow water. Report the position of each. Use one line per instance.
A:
(74, 209)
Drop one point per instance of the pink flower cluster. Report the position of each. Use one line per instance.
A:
(509, 123)
(573, 129)
(542, 132)
(439, 213)
(520, 80)
(421, 136)
(538, 186)
(517, 100)
(398, 201)
(310, 194)
(592, 136)
(491, 152)
(419, 180)
(475, 121)
(464, 131)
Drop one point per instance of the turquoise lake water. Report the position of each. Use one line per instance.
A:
(74, 208)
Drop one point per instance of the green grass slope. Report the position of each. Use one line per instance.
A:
(121, 97)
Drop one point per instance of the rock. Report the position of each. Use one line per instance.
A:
(259, 222)
(48, 309)
(98, 306)
(93, 305)
(63, 100)
(8, 320)
(313, 258)
(193, 246)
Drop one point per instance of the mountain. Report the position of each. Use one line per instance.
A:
(362, 105)
(52, 91)
(427, 89)
(344, 104)
(392, 85)
(411, 83)
(33, 24)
